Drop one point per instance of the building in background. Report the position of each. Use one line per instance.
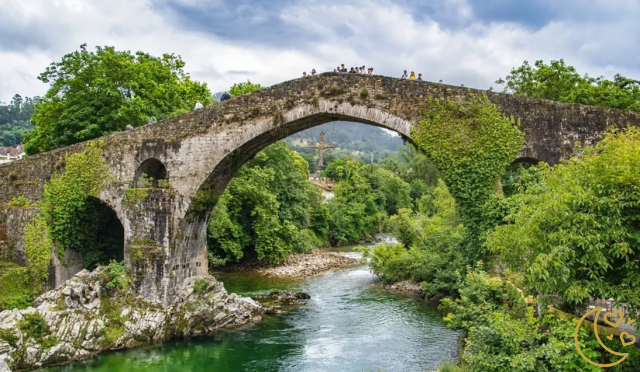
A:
(8, 154)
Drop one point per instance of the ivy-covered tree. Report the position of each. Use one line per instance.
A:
(471, 142)
(93, 94)
(558, 81)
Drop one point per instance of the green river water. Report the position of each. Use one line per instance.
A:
(348, 325)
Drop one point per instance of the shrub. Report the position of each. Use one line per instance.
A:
(19, 201)
(34, 326)
(200, 286)
(117, 272)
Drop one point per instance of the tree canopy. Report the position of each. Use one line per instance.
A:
(558, 81)
(93, 94)
(239, 89)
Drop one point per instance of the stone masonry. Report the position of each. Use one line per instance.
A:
(202, 150)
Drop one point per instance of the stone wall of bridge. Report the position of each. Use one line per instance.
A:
(202, 150)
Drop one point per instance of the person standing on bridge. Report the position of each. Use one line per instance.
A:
(198, 105)
(419, 77)
(412, 76)
(404, 76)
(344, 69)
(151, 121)
(352, 71)
(370, 70)
(313, 72)
(225, 96)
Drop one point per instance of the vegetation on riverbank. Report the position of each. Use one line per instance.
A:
(565, 234)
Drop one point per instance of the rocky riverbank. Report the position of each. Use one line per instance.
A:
(298, 265)
(83, 317)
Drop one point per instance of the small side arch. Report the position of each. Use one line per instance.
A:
(149, 172)
(526, 160)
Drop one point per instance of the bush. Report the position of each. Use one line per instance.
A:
(391, 262)
(305, 242)
(503, 335)
(117, 272)
(15, 289)
(34, 326)
(200, 286)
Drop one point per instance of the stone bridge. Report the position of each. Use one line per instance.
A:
(199, 152)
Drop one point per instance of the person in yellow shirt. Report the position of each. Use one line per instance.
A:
(412, 76)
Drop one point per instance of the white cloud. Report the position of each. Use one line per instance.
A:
(376, 33)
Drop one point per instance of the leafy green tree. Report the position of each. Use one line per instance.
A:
(558, 81)
(93, 94)
(239, 89)
(471, 142)
(575, 234)
(268, 210)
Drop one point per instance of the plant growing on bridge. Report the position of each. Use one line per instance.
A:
(38, 246)
(71, 208)
(471, 142)
(93, 94)
(576, 233)
(239, 89)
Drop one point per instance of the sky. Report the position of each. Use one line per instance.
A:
(470, 42)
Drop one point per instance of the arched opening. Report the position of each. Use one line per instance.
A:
(521, 172)
(151, 173)
(231, 223)
(106, 242)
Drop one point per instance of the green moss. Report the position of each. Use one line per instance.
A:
(135, 196)
(19, 201)
(364, 94)
(278, 117)
(380, 97)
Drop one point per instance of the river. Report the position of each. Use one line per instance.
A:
(348, 325)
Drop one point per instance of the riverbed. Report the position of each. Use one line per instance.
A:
(348, 325)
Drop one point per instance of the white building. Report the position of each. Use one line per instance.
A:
(8, 154)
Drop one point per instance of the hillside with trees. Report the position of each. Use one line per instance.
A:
(15, 119)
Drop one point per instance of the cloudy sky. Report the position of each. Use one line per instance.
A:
(471, 42)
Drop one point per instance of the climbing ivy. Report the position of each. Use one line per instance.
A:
(70, 206)
(471, 142)
(38, 246)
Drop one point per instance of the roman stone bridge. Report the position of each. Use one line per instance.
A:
(199, 152)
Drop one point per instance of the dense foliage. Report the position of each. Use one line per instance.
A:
(265, 209)
(576, 233)
(428, 250)
(93, 94)
(560, 82)
(471, 142)
(503, 335)
(76, 217)
(14, 120)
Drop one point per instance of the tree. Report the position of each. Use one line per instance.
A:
(576, 233)
(268, 210)
(239, 89)
(471, 143)
(93, 94)
(560, 82)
